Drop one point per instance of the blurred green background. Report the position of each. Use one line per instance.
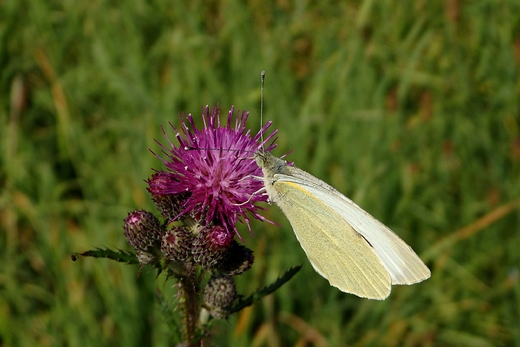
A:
(410, 108)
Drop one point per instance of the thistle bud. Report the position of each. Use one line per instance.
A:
(177, 244)
(219, 294)
(219, 237)
(236, 260)
(144, 258)
(168, 205)
(210, 246)
(142, 230)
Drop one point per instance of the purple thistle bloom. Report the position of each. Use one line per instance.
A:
(215, 166)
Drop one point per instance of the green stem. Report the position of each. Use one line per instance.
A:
(188, 289)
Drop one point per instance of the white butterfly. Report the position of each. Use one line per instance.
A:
(346, 245)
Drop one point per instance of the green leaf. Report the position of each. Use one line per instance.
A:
(259, 294)
(120, 256)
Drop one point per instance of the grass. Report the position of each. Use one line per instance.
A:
(410, 108)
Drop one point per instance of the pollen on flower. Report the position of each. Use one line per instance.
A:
(213, 167)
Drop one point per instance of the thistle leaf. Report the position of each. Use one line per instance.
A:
(259, 294)
(120, 256)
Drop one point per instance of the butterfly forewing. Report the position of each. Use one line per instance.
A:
(335, 250)
(404, 266)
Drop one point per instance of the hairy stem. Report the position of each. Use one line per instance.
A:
(189, 300)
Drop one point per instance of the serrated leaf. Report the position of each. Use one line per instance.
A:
(120, 256)
(259, 294)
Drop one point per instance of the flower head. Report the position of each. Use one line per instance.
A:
(214, 169)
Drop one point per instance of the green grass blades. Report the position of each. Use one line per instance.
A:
(409, 108)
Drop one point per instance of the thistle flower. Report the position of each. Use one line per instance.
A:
(213, 167)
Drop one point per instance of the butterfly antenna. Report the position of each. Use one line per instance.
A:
(262, 80)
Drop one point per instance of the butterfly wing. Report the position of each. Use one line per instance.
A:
(399, 259)
(334, 248)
